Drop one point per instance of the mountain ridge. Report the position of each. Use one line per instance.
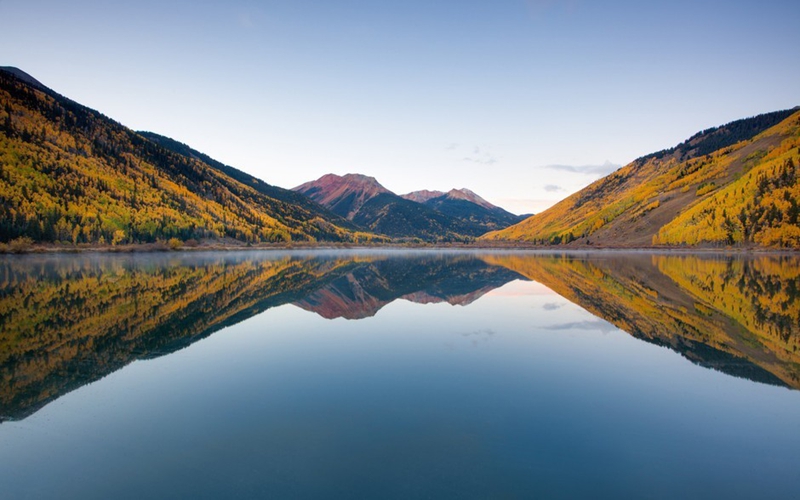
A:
(343, 194)
(425, 195)
(686, 195)
(431, 215)
(70, 174)
(282, 194)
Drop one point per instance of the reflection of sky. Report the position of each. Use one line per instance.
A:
(288, 403)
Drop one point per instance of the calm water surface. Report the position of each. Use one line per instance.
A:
(399, 375)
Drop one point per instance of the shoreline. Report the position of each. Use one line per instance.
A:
(160, 247)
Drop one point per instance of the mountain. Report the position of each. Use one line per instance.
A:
(278, 193)
(468, 207)
(343, 195)
(368, 204)
(70, 174)
(429, 215)
(736, 184)
(423, 195)
(25, 77)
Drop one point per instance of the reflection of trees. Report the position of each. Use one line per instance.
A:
(760, 293)
(66, 322)
(740, 315)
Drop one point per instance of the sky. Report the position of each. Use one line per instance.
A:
(522, 101)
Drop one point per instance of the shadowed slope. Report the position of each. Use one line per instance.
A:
(70, 174)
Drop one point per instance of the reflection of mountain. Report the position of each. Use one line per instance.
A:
(738, 315)
(67, 321)
(458, 280)
(64, 323)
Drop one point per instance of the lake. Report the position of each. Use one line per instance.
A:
(400, 374)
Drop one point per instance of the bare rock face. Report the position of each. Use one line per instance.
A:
(342, 194)
(423, 195)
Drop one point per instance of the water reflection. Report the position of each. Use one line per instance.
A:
(739, 315)
(66, 321)
(456, 279)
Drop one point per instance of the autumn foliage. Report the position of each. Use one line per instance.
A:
(69, 174)
(743, 193)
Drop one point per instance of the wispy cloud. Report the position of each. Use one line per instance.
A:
(473, 154)
(604, 169)
(552, 188)
(486, 332)
(487, 160)
(482, 156)
(603, 326)
(552, 306)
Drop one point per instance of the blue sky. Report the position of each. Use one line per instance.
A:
(430, 94)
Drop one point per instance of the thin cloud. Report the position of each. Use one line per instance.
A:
(486, 160)
(604, 169)
(486, 332)
(552, 188)
(474, 154)
(552, 306)
(482, 156)
(603, 326)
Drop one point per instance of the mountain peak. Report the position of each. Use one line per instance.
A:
(423, 195)
(25, 77)
(343, 194)
(466, 194)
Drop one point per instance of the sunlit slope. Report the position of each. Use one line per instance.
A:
(64, 328)
(758, 207)
(70, 174)
(742, 321)
(677, 196)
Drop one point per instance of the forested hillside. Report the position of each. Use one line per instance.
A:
(70, 174)
(731, 185)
